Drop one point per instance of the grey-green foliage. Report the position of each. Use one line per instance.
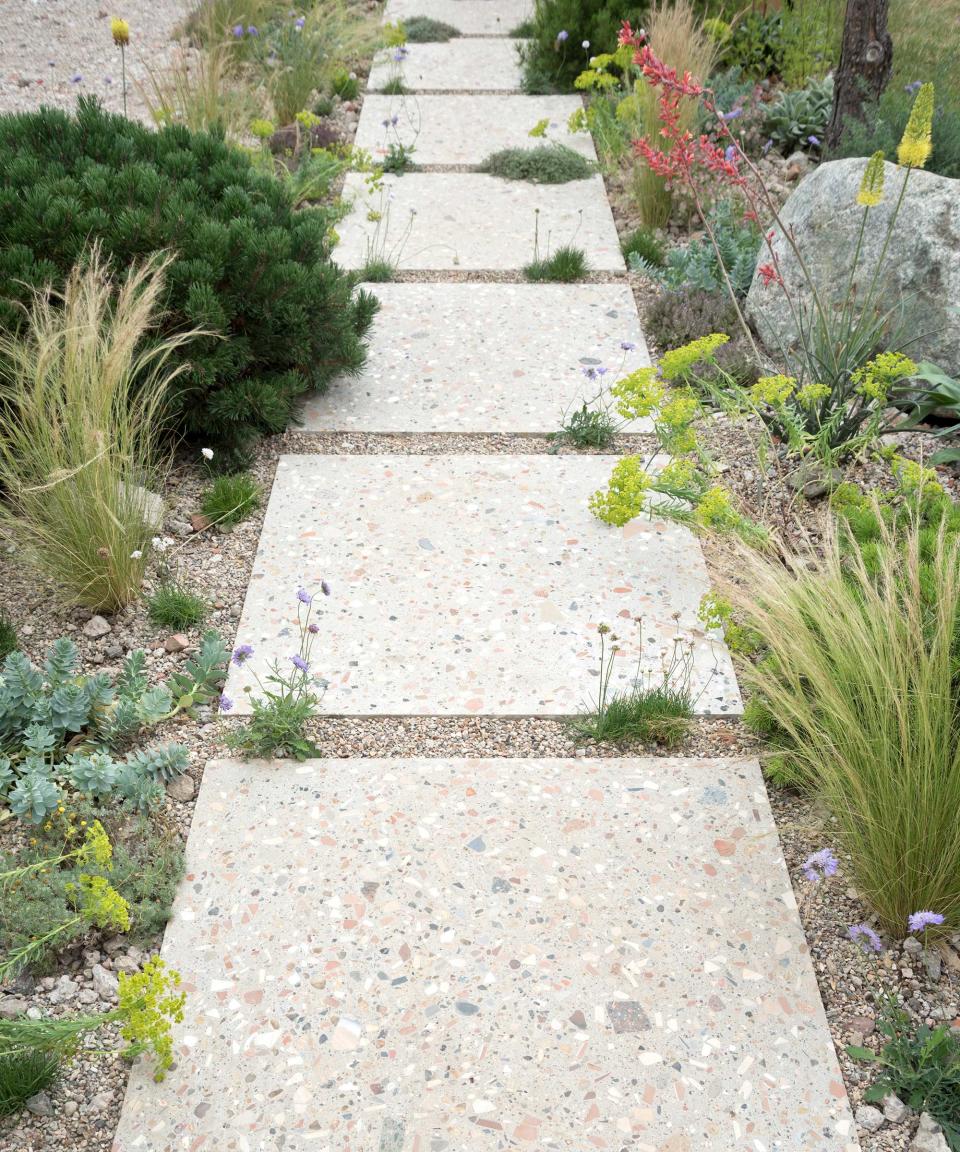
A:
(695, 265)
(799, 119)
(63, 730)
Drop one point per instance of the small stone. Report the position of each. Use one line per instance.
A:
(96, 627)
(39, 1104)
(129, 963)
(869, 1118)
(105, 984)
(912, 946)
(101, 1102)
(179, 527)
(176, 643)
(894, 1109)
(34, 1013)
(11, 1007)
(812, 482)
(65, 989)
(182, 788)
(70, 1107)
(933, 963)
(87, 996)
(929, 1137)
(113, 651)
(199, 522)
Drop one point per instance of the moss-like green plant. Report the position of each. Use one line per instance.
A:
(231, 498)
(545, 164)
(174, 607)
(426, 30)
(566, 265)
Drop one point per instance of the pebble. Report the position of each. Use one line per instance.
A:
(894, 1109)
(11, 1007)
(929, 1137)
(182, 788)
(176, 643)
(105, 984)
(96, 627)
(869, 1118)
(39, 1104)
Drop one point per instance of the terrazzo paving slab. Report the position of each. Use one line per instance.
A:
(469, 17)
(461, 65)
(466, 955)
(467, 220)
(470, 585)
(484, 358)
(461, 129)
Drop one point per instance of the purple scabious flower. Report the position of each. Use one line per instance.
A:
(562, 35)
(401, 53)
(299, 22)
(730, 154)
(820, 865)
(238, 30)
(627, 345)
(300, 663)
(226, 704)
(726, 117)
(914, 86)
(865, 936)
(78, 79)
(241, 654)
(304, 596)
(921, 921)
(768, 146)
(313, 629)
(590, 373)
(252, 30)
(814, 140)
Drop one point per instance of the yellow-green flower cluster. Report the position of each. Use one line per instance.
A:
(539, 130)
(596, 78)
(876, 377)
(871, 186)
(395, 35)
(638, 394)
(677, 476)
(914, 479)
(675, 421)
(577, 121)
(626, 490)
(773, 390)
(262, 129)
(675, 365)
(811, 394)
(149, 1005)
(96, 848)
(100, 904)
(917, 141)
(715, 509)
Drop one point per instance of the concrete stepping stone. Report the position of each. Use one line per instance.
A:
(462, 129)
(468, 220)
(471, 585)
(479, 357)
(404, 955)
(469, 17)
(461, 65)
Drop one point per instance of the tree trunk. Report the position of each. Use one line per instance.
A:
(866, 59)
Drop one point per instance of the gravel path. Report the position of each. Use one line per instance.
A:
(52, 51)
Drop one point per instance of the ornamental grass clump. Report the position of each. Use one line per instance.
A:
(84, 388)
(859, 680)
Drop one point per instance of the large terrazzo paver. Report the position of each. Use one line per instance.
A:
(469, 17)
(470, 585)
(461, 65)
(465, 955)
(433, 221)
(484, 358)
(466, 129)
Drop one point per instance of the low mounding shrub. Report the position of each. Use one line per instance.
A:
(546, 164)
(859, 682)
(678, 318)
(247, 267)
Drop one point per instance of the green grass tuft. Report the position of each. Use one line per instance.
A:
(647, 246)
(565, 266)
(174, 607)
(394, 87)
(9, 641)
(659, 715)
(231, 498)
(426, 30)
(587, 427)
(522, 31)
(377, 272)
(23, 1075)
(545, 164)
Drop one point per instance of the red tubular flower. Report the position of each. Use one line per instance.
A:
(769, 275)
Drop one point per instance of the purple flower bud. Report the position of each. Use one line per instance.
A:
(76, 79)
(252, 30)
(814, 140)
(299, 662)
(865, 936)
(304, 596)
(242, 654)
(313, 629)
(728, 116)
(627, 345)
(238, 30)
(226, 704)
(562, 35)
(820, 865)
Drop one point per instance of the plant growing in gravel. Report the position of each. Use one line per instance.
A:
(426, 30)
(231, 498)
(247, 267)
(918, 1064)
(9, 641)
(566, 265)
(377, 272)
(645, 246)
(545, 164)
(799, 119)
(150, 1003)
(85, 385)
(24, 1075)
(859, 675)
(287, 697)
(592, 425)
(656, 708)
(172, 606)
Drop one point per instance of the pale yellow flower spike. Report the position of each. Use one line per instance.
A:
(871, 186)
(916, 145)
(120, 31)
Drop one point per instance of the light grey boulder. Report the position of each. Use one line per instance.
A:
(929, 1137)
(921, 271)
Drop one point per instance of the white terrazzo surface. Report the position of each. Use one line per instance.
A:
(432, 221)
(483, 18)
(466, 129)
(479, 955)
(470, 585)
(462, 65)
(484, 358)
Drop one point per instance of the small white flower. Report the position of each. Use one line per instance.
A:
(161, 543)
(585, 44)
(206, 453)
(136, 554)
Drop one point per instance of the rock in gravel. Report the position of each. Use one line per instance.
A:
(96, 627)
(11, 1007)
(933, 963)
(39, 1104)
(64, 989)
(182, 788)
(894, 1109)
(199, 522)
(869, 1118)
(105, 984)
(101, 1102)
(129, 963)
(176, 643)
(912, 946)
(921, 267)
(929, 1137)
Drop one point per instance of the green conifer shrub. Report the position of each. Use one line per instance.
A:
(247, 265)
